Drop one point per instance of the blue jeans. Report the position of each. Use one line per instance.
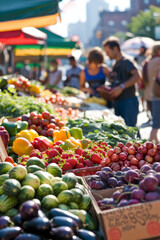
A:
(156, 112)
(128, 109)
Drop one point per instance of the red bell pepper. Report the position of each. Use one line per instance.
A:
(5, 136)
(41, 144)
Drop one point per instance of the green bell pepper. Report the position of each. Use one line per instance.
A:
(68, 145)
(14, 156)
(76, 133)
(11, 140)
(11, 127)
(85, 142)
(21, 125)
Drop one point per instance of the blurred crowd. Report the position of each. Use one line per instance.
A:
(126, 83)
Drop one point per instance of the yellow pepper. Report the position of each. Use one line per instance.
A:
(35, 89)
(21, 146)
(30, 135)
(25, 134)
(33, 134)
(71, 143)
(76, 142)
(61, 135)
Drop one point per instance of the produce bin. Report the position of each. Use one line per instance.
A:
(85, 171)
(134, 222)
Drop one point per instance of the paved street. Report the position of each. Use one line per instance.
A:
(145, 126)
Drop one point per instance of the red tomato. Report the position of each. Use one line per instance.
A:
(9, 159)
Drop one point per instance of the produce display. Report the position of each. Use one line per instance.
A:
(123, 158)
(101, 130)
(23, 84)
(56, 98)
(15, 106)
(57, 164)
(141, 186)
(49, 191)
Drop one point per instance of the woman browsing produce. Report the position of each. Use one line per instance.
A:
(95, 72)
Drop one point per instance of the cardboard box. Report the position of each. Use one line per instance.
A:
(134, 222)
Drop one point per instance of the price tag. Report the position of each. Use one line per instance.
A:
(3, 152)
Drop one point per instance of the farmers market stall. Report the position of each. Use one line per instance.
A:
(80, 176)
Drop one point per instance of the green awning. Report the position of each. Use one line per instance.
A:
(27, 13)
(56, 41)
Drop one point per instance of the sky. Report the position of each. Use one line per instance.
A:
(76, 12)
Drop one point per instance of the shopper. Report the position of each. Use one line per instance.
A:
(26, 70)
(95, 72)
(55, 75)
(123, 78)
(73, 74)
(153, 73)
(140, 58)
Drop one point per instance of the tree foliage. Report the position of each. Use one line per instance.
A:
(144, 23)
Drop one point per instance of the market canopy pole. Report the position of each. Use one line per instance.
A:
(22, 13)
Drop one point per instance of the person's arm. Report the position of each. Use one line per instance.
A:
(116, 91)
(106, 70)
(82, 83)
(59, 78)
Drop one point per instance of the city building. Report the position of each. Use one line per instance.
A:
(101, 23)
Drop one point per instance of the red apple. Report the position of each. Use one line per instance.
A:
(134, 161)
(45, 122)
(120, 145)
(139, 156)
(32, 114)
(133, 167)
(130, 157)
(52, 121)
(51, 125)
(142, 149)
(110, 152)
(136, 145)
(33, 127)
(125, 149)
(43, 132)
(39, 129)
(128, 144)
(131, 150)
(149, 159)
(127, 163)
(117, 150)
(115, 157)
(141, 163)
(107, 160)
(158, 146)
(156, 157)
(149, 145)
(151, 152)
(60, 124)
(123, 156)
(116, 168)
(50, 132)
(46, 115)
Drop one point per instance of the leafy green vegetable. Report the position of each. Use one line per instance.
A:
(100, 129)
(14, 106)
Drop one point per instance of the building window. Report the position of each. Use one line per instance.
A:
(111, 23)
(146, 1)
(123, 22)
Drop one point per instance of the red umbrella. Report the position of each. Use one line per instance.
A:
(21, 37)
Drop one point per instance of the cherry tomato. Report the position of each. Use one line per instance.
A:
(9, 159)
